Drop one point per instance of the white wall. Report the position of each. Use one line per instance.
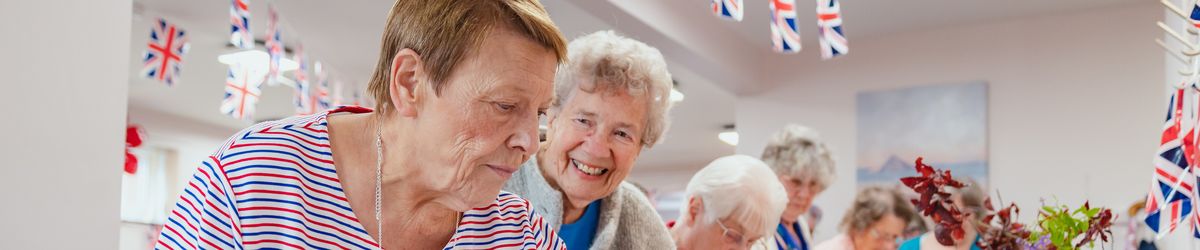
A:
(1075, 102)
(64, 89)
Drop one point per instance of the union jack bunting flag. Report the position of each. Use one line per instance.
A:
(829, 25)
(239, 15)
(164, 52)
(785, 35)
(274, 45)
(321, 90)
(301, 99)
(728, 9)
(241, 93)
(1172, 193)
(1195, 17)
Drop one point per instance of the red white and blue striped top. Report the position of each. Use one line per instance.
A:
(274, 186)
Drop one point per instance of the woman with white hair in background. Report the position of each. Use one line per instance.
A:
(805, 167)
(611, 102)
(875, 221)
(734, 201)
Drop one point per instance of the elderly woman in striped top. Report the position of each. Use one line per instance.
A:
(457, 113)
(805, 168)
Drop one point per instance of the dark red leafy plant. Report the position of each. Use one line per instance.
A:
(1007, 234)
(1099, 225)
(935, 202)
(1055, 229)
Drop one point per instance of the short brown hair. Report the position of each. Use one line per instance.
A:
(443, 32)
(872, 204)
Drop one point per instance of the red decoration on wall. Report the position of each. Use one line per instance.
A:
(133, 139)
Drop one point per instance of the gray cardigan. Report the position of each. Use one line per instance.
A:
(627, 221)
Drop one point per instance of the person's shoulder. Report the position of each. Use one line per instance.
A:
(295, 147)
(633, 198)
(639, 219)
(298, 133)
(911, 244)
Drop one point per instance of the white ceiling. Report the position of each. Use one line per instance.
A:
(713, 59)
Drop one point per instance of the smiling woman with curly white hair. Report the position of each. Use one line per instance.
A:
(612, 102)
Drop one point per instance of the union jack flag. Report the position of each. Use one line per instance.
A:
(303, 98)
(239, 16)
(241, 93)
(164, 52)
(274, 45)
(321, 94)
(1172, 192)
(1195, 17)
(728, 9)
(303, 93)
(829, 25)
(785, 35)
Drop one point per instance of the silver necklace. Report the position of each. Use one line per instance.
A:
(379, 184)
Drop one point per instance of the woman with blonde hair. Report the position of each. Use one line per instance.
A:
(457, 113)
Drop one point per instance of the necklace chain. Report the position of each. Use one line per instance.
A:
(379, 187)
(379, 184)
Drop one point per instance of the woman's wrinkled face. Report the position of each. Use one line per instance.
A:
(801, 193)
(472, 137)
(592, 143)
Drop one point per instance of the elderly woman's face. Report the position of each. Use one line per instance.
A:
(593, 142)
(800, 195)
(483, 125)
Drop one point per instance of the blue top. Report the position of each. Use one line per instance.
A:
(579, 235)
(785, 240)
(915, 244)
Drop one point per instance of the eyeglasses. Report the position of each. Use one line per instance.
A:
(735, 236)
(881, 237)
(796, 185)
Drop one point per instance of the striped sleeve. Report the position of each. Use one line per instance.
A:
(543, 233)
(204, 216)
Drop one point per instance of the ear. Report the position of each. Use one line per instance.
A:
(407, 74)
(695, 210)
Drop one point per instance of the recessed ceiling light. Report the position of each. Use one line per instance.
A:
(256, 60)
(729, 135)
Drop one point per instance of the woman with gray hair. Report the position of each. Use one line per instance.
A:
(731, 203)
(874, 221)
(611, 102)
(805, 168)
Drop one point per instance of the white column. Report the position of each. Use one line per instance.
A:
(64, 68)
